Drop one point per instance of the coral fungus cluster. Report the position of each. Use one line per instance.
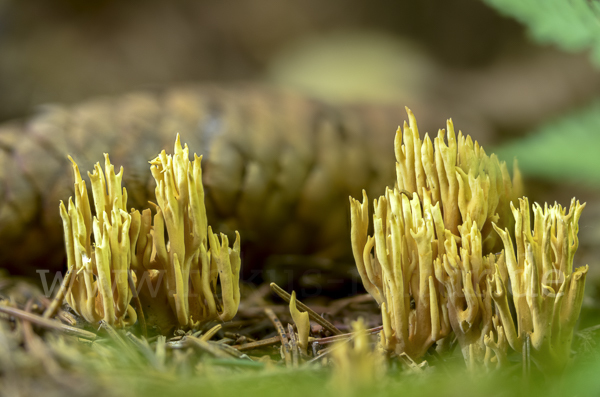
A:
(435, 261)
(440, 260)
(99, 266)
(175, 275)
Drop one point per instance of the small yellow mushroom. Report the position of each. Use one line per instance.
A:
(302, 323)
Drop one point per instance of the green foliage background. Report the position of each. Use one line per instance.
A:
(573, 25)
(565, 149)
(568, 147)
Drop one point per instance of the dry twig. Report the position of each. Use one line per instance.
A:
(60, 296)
(47, 323)
(284, 341)
(313, 315)
(258, 344)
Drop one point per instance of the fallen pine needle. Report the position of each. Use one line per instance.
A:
(47, 323)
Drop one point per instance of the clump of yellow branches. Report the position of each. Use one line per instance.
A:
(176, 275)
(441, 260)
(435, 262)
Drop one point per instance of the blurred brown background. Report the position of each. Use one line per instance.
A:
(457, 56)
(442, 58)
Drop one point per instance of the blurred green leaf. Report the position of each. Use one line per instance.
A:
(573, 25)
(564, 149)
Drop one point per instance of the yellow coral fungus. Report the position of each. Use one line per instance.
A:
(463, 271)
(459, 174)
(302, 323)
(547, 293)
(402, 271)
(100, 289)
(192, 258)
(177, 274)
(439, 220)
(412, 266)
